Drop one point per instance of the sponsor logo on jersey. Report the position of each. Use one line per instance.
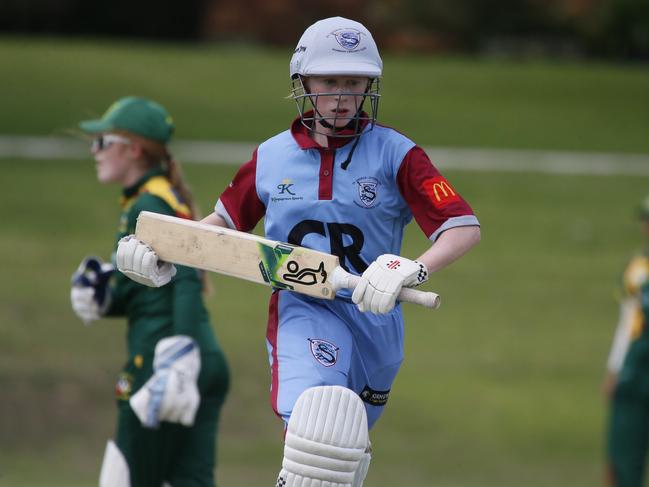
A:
(286, 192)
(373, 397)
(285, 187)
(323, 351)
(368, 192)
(348, 39)
(440, 191)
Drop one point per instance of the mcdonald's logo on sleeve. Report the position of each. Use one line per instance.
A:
(440, 192)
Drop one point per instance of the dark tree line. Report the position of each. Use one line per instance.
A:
(611, 28)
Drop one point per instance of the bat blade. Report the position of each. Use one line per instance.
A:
(238, 254)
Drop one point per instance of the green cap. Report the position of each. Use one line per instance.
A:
(138, 116)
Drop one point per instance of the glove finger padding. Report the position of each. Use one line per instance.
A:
(171, 394)
(139, 262)
(361, 289)
(140, 251)
(382, 302)
(382, 281)
(125, 252)
(84, 304)
(90, 295)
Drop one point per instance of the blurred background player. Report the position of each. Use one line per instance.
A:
(173, 385)
(626, 384)
(336, 182)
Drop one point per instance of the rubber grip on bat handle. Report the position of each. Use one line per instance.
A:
(423, 298)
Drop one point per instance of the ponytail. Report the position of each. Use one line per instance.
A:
(157, 155)
(175, 175)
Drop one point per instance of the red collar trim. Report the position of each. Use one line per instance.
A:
(302, 135)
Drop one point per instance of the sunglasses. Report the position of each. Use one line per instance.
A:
(103, 142)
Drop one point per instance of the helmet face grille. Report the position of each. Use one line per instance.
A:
(313, 120)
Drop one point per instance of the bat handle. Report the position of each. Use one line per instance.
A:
(344, 280)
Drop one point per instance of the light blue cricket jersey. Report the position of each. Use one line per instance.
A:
(366, 213)
(359, 213)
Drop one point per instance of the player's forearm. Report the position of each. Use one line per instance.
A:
(215, 219)
(450, 246)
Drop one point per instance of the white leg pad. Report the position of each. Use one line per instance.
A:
(363, 467)
(326, 439)
(114, 469)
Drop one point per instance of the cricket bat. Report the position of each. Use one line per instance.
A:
(257, 259)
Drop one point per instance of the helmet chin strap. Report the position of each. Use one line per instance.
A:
(350, 125)
(353, 124)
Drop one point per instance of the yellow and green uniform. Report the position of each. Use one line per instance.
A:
(628, 435)
(173, 453)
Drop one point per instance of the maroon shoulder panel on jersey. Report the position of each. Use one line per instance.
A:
(240, 197)
(429, 195)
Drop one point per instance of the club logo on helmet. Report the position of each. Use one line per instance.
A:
(349, 39)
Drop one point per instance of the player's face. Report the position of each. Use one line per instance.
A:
(338, 102)
(112, 158)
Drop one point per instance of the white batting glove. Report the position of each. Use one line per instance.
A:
(171, 394)
(139, 262)
(84, 304)
(90, 295)
(382, 281)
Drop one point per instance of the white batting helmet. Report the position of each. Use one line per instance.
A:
(336, 46)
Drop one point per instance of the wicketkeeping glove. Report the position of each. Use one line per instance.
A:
(171, 394)
(139, 262)
(382, 281)
(90, 295)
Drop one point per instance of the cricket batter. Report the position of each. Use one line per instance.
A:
(338, 182)
(174, 382)
(627, 378)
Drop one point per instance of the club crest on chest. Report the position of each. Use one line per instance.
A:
(368, 192)
(326, 353)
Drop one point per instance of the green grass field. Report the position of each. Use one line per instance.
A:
(238, 94)
(500, 387)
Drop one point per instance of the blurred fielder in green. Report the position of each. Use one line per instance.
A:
(171, 389)
(627, 378)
